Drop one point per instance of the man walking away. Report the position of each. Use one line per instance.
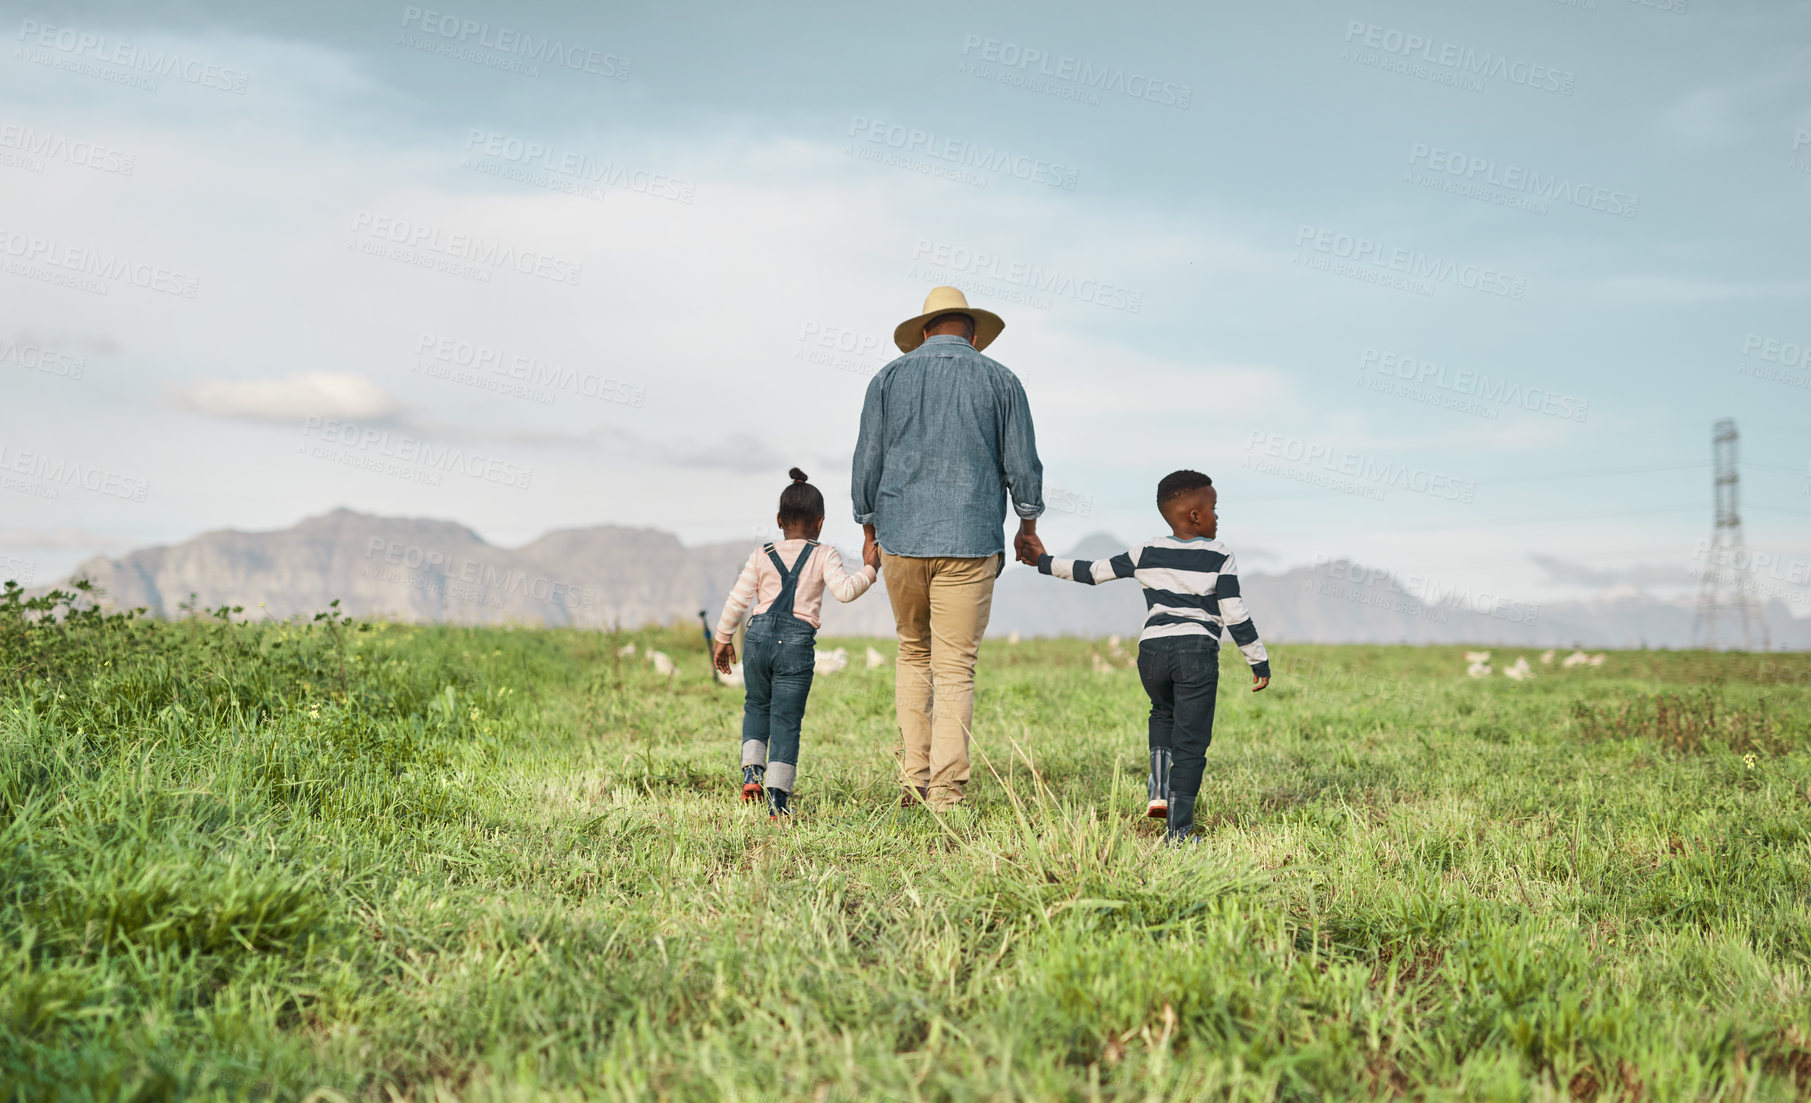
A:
(946, 441)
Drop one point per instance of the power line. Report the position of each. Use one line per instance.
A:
(1775, 467)
(1544, 477)
(1594, 474)
(1545, 519)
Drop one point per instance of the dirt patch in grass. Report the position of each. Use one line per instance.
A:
(1685, 723)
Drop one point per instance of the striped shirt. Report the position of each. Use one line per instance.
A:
(1191, 588)
(759, 585)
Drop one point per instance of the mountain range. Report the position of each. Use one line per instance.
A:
(436, 571)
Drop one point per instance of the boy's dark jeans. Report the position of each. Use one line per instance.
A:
(777, 665)
(1181, 674)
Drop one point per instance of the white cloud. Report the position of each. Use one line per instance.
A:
(305, 394)
(708, 305)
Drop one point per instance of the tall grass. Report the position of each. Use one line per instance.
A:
(371, 861)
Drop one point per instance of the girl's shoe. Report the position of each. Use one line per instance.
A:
(751, 782)
(777, 808)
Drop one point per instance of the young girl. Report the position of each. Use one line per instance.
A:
(785, 582)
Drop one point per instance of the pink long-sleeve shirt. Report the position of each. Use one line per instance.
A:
(759, 584)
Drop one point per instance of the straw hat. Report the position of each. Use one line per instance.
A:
(948, 300)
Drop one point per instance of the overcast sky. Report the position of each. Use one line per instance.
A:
(1450, 288)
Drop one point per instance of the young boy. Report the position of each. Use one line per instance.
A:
(1191, 589)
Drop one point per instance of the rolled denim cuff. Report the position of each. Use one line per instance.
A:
(1028, 512)
(865, 518)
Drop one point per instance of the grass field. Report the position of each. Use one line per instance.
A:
(335, 861)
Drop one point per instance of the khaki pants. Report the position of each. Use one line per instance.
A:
(940, 607)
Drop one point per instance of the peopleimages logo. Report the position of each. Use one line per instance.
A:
(1772, 575)
(463, 578)
(1472, 385)
(84, 269)
(1031, 61)
(30, 356)
(14, 569)
(22, 143)
(1775, 360)
(1057, 500)
(471, 34)
(468, 253)
(568, 170)
(514, 373)
(82, 46)
(913, 142)
(1515, 178)
(1459, 59)
(1786, 353)
(1030, 280)
(45, 476)
(839, 347)
(381, 446)
(1381, 474)
(1410, 264)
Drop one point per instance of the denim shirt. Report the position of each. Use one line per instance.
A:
(945, 435)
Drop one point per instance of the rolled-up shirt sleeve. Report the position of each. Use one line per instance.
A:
(1019, 455)
(870, 452)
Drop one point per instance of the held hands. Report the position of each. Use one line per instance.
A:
(722, 655)
(870, 547)
(1027, 547)
(1258, 683)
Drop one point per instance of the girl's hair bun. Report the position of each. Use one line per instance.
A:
(800, 502)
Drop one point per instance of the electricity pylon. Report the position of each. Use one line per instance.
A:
(1728, 590)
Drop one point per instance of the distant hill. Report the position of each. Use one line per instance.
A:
(441, 572)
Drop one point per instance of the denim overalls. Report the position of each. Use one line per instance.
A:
(779, 655)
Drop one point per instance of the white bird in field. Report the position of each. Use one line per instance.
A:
(1577, 658)
(1112, 643)
(1547, 657)
(1012, 637)
(1520, 670)
(626, 649)
(1597, 659)
(875, 659)
(829, 662)
(1478, 670)
(734, 677)
(663, 663)
(1475, 656)
(1101, 666)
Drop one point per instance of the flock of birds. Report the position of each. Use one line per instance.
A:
(828, 662)
(836, 659)
(1480, 663)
